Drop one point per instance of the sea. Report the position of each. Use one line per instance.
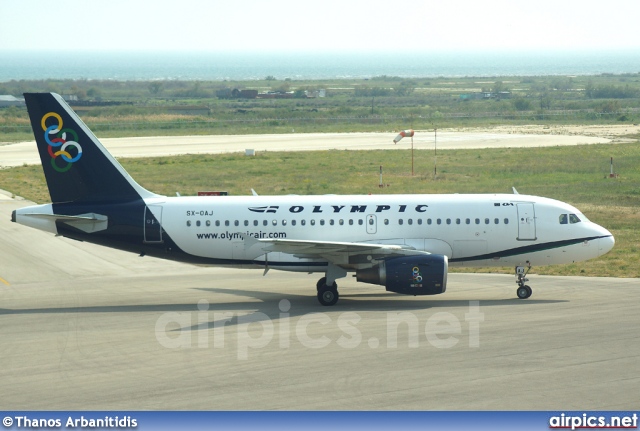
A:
(131, 66)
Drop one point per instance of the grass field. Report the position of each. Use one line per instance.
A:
(577, 175)
(384, 103)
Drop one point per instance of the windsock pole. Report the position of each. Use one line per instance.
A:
(612, 174)
(435, 153)
(403, 134)
(411, 154)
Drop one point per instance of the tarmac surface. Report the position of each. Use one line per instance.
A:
(25, 152)
(90, 328)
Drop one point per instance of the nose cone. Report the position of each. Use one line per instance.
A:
(605, 244)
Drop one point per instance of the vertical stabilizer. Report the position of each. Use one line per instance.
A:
(76, 165)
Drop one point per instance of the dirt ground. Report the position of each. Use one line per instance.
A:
(615, 132)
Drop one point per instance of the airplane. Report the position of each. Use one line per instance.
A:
(402, 242)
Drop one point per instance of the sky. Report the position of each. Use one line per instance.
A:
(326, 26)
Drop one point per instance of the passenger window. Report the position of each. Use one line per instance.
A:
(226, 222)
(217, 223)
(293, 222)
(341, 222)
(496, 221)
(477, 221)
(198, 223)
(468, 221)
(457, 221)
(236, 223)
(386, 221)
(400, 222)
(208, 222)
(506, 221)
(420, 221)
(448, 221)
(246, 222)
(573, 219)
(428, 221)
(303, 222)
(371, 221)
(331, 222)
(563, 219)
(274, 222)
(255, 222)
(360, 222)
(264, 222)
(284, 222)
(188, 223)
(321, 222)
(350, 222)
(439, 221)
(486, 221)
(313, 222)
(410, 221)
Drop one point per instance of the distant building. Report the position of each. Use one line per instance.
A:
(224, 93)
(8, 100)
(312, 94)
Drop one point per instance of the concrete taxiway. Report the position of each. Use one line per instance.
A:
(84, 327)
(25, 152)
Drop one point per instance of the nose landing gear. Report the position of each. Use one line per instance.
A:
(523, 290)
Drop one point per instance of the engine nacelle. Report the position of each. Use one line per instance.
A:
(410, 275)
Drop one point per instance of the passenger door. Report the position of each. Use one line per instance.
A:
(526, 222)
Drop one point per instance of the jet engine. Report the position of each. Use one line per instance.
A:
(409, 275)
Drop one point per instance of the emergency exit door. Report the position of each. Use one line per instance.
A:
(372, 224)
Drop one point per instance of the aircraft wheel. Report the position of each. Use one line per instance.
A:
(524, 292)
(328, 295)
(323, 282)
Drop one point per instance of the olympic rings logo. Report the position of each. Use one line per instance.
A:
(61, 141)
(417, 277)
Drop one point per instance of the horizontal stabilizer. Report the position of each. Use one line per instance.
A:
(85, 222)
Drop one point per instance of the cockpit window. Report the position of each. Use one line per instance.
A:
(569, 218)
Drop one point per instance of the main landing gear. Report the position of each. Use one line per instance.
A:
(327, 295)
(523, 290)
(327, 287)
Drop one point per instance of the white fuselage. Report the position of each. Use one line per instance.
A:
(471, 230)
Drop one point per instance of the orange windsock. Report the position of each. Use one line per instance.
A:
(403, 134)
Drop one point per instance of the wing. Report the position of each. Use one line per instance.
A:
(344, 254)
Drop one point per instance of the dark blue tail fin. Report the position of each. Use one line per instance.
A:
(76, 165)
